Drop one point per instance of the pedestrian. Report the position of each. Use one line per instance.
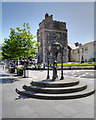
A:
(70, 67)
(32, 66)
(38, 66)
(35, 66)
(42, 66)
(12, 65)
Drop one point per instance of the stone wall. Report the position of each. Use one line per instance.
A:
(51, 31)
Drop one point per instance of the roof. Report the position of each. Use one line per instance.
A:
(86, 45)
(72, 46)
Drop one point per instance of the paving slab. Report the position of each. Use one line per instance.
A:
(15, 106)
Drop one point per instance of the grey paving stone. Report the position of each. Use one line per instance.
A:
(66, 110)
(16, 107)
(24, 111)
(82, 115)
(45, 111)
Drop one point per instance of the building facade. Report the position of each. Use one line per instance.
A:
(86, 52)
(70, 48)
(51, 31)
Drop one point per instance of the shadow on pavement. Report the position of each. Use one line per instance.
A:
(7, 80)
(21, 97)
(3, 75)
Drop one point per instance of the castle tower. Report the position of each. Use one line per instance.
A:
(51, 31)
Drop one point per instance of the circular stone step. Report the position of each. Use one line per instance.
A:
(57, 90)
(61, 90)
(62, 83)
(85, 93)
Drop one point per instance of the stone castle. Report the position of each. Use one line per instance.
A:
(51, 31)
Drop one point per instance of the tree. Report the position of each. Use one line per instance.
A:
(0, 55)
(10, 46)
(21, 44)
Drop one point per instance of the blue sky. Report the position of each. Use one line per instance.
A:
(79, 17)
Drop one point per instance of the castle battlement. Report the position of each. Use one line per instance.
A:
(49, 23)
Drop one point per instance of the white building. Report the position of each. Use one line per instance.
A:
(86, 52)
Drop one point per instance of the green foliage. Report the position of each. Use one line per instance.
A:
(92, 60)
(19, 68)
(77, 64)
(20, 44)
(2, 63)
(1, 56)
(73, 60)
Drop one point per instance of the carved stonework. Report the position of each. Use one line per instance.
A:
(51, 31)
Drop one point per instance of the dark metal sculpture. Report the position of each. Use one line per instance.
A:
(55, 48)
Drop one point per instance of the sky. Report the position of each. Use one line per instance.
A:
(79, 17)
